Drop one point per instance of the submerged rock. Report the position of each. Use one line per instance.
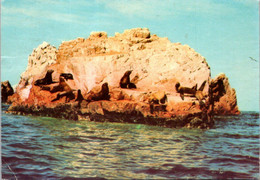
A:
(156, 65)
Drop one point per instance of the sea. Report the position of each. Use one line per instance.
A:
(49, 148)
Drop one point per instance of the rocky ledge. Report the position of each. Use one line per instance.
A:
(133, 77)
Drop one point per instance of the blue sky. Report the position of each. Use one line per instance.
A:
(225, 32)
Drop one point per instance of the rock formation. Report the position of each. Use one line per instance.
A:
(156, 64)
(227, 101)
(6, 91)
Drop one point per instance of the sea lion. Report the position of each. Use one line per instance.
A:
(157, 98)
(79, 98)
(46, 80)
(191, 91)
(65, 90)
(185, 90)
(67, 76)
(125, 80)
(62, 86)
(103, 94)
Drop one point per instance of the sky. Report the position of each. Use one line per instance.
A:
(225, 32)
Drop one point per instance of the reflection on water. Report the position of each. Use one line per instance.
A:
(39, 147)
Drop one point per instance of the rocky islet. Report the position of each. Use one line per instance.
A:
(157, 65)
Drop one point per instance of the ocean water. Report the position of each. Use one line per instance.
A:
(49, 148)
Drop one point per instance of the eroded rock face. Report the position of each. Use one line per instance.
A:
(156, 64)
(6, 91)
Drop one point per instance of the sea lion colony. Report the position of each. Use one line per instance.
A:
(64, 90)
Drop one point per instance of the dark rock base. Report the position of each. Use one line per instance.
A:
(73, 112)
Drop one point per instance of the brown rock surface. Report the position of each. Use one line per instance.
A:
(157, 65)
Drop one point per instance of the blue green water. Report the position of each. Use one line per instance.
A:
(49, 148)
